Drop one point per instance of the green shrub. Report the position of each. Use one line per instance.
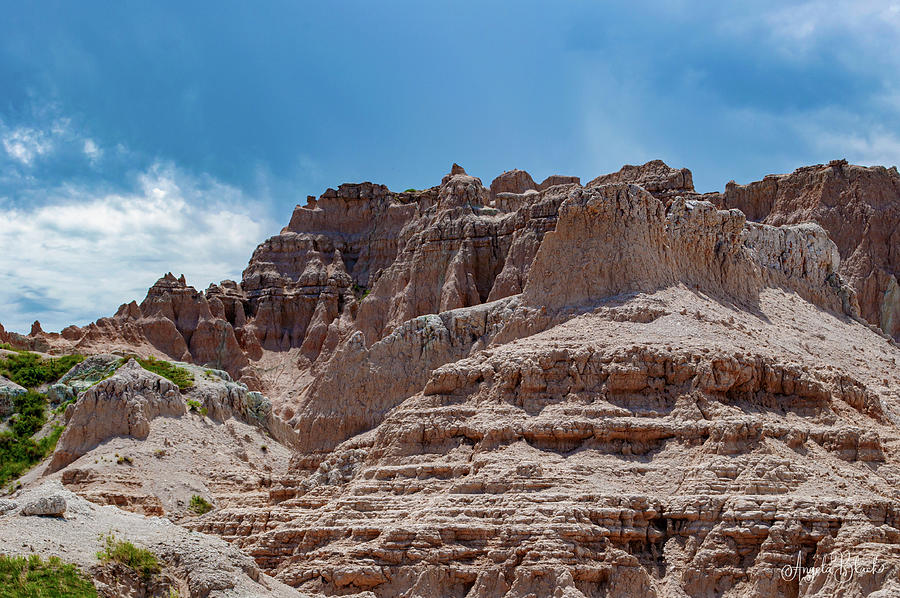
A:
(18, 455)
(196, 406)
(183, 378)
(360, 291)
(125, 553)
(18, 450)
(33, 577)
(410, 190)
(31, 370)
(61, 408)
(30, 413)
(200, 505)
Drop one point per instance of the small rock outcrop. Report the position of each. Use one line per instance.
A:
(512, 181)
(121, 405)
(9, 390)
(859, 208)
(657, 177)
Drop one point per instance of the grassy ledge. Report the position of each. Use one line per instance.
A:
(125, 553)
(183, 378)
(31, 576)
(31, 370)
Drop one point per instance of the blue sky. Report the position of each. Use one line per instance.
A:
(138, 138)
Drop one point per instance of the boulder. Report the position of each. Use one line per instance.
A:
(8, 391)
(53, 505)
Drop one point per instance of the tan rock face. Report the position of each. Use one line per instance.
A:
(121, 405)
(683, 436)
(859, 208)
(532, 390)
(617, 238)
(512, 181)
(655, 176)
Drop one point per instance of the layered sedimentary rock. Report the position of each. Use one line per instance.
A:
(694, 431)
(534, 389)
(858, 206)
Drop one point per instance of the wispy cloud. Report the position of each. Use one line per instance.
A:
(46, 138)
(92, 150)
(85, 251)
(24, 144)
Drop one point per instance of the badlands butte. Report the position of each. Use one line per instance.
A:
(618, 388)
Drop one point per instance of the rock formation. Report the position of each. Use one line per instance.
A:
(655, 176)
(859, 207)
(625, 388)
(198, 565)
(9, 390)
(122, 405)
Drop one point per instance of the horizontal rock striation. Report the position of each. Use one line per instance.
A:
(655, 446)
(624, 388)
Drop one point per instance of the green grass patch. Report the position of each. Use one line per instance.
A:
(360, 291)
(125, 553)
(32, 577)
(61, 408)
(183, 378)
(18, 455)
(196, 407)
(19, 452)
(200, 505)
(31, 370)
(29, 413)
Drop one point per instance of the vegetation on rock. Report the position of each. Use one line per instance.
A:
(197, 407)
(183, 378)
(18, 450)
(125, 553)
(200, 505)
(31, 576)
(31, 370)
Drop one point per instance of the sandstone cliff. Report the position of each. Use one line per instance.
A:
(859, 207)
(618, 389)
(666, 409)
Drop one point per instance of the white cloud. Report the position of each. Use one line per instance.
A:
(858, 31)
(858, 143)
(47, 138)
(25, 144)
(84, 252)
(92, 150)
